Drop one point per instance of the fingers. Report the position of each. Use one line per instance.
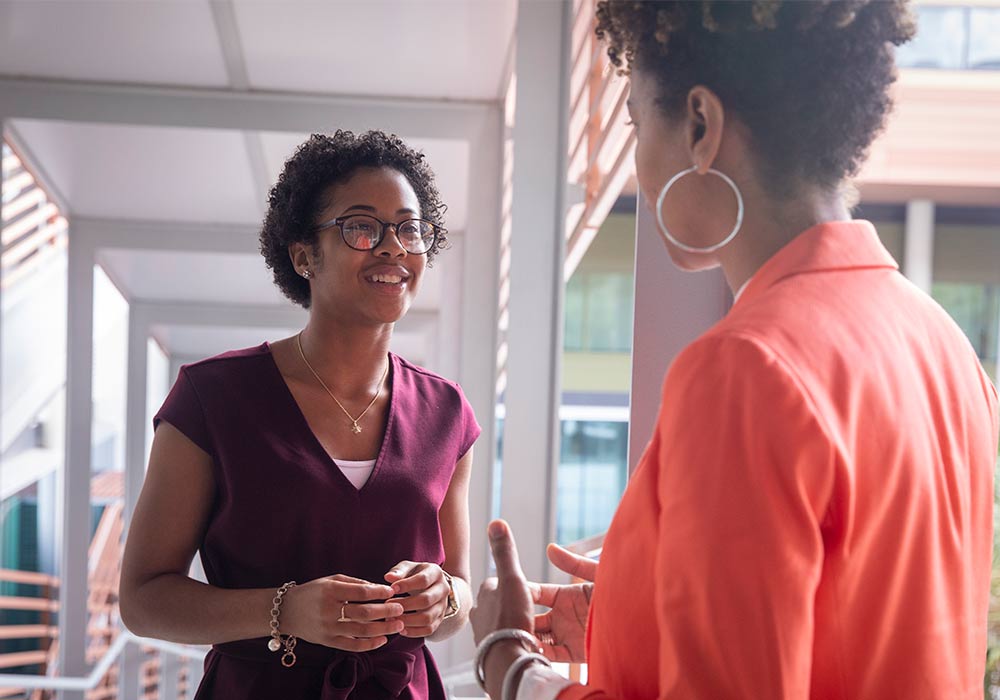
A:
(419, 577)
(504, 551)
(368, 612)
(544, 593)
(543, 622)
(368, 630)
(400, 570)
(573, 564)
(357, 590)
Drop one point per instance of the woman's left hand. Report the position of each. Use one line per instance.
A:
(428, 591)
(505, 601)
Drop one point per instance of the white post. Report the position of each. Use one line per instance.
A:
(2, 124)
(135, 402)
(918, 248)
(74, 478)
(170, 668)
(135, 464)
(672, 308)
(531, 425)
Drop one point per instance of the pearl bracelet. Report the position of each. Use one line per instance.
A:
(526, 639)
(275, 644)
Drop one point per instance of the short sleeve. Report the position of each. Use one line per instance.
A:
(183, 410)
(470, 426)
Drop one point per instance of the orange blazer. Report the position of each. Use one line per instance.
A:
(813, 516)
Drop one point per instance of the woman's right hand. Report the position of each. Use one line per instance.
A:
(312, 612)
(566, 620)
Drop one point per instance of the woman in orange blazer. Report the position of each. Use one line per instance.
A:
(813, 515)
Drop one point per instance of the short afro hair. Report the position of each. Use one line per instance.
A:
(328, 159)
(809, 79)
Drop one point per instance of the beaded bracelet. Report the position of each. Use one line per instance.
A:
(275, 643)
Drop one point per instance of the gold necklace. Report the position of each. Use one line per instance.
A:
(355, 428)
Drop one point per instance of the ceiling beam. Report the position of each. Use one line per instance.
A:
(178, 236)
(230, 109)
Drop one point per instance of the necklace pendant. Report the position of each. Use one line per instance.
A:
(355, 428)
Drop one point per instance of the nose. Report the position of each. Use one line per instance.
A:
(390, 247)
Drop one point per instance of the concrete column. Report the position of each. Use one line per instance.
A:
(672, 308)
(73, 513)
(918, 246)
(531, 425)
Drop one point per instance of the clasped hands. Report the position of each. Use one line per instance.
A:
(344, 612)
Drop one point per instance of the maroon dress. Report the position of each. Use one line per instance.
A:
(284, 511)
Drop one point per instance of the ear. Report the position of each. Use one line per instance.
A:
(706, 116)
(301, 256)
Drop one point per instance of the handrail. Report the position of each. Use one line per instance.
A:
(100, 670)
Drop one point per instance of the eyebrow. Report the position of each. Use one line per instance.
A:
(373, 210)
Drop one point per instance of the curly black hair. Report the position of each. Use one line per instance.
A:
(809, 79)
(295, 200)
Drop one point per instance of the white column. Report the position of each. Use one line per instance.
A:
(135, 403)
(74, 481)
(918, 246)
(170, 667)
(473, 265)
(531, 425)
(672, 308)
(2, 123)
(135, 464)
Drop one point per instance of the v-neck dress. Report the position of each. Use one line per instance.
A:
(284, 511)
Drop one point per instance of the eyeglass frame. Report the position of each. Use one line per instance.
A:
(339, 221)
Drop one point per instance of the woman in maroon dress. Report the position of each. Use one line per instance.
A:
(321, 459)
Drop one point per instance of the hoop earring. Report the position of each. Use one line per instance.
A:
(684, 246)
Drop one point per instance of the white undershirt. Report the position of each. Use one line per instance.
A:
(357, 472)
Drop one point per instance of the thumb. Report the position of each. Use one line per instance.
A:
(504, 551)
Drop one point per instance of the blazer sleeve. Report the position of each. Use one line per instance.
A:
(745, 476)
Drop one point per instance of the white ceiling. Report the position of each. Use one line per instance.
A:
(454, 49)
(433, 50)
(147, 173)
(449, 49)
(129, 41)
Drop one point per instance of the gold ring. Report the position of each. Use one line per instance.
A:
(343, 616)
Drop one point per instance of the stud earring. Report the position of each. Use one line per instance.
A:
(307, 274)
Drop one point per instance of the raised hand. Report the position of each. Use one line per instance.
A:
(562, 629)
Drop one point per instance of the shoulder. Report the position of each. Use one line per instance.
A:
(227, 366)
(426, 380)
(734, 368)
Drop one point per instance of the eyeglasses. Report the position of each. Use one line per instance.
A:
(363, 232)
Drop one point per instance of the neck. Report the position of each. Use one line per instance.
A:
(350, 359)
(768, 227)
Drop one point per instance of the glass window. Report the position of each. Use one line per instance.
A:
(940, 40)
(976, 309)
(592, 476)
(599, 312)
(984, 38)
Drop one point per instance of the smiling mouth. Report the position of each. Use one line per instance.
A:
(386, 279)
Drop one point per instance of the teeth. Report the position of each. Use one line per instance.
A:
(389, 279)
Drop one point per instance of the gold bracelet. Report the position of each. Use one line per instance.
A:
(275, 643)
(453, 603)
